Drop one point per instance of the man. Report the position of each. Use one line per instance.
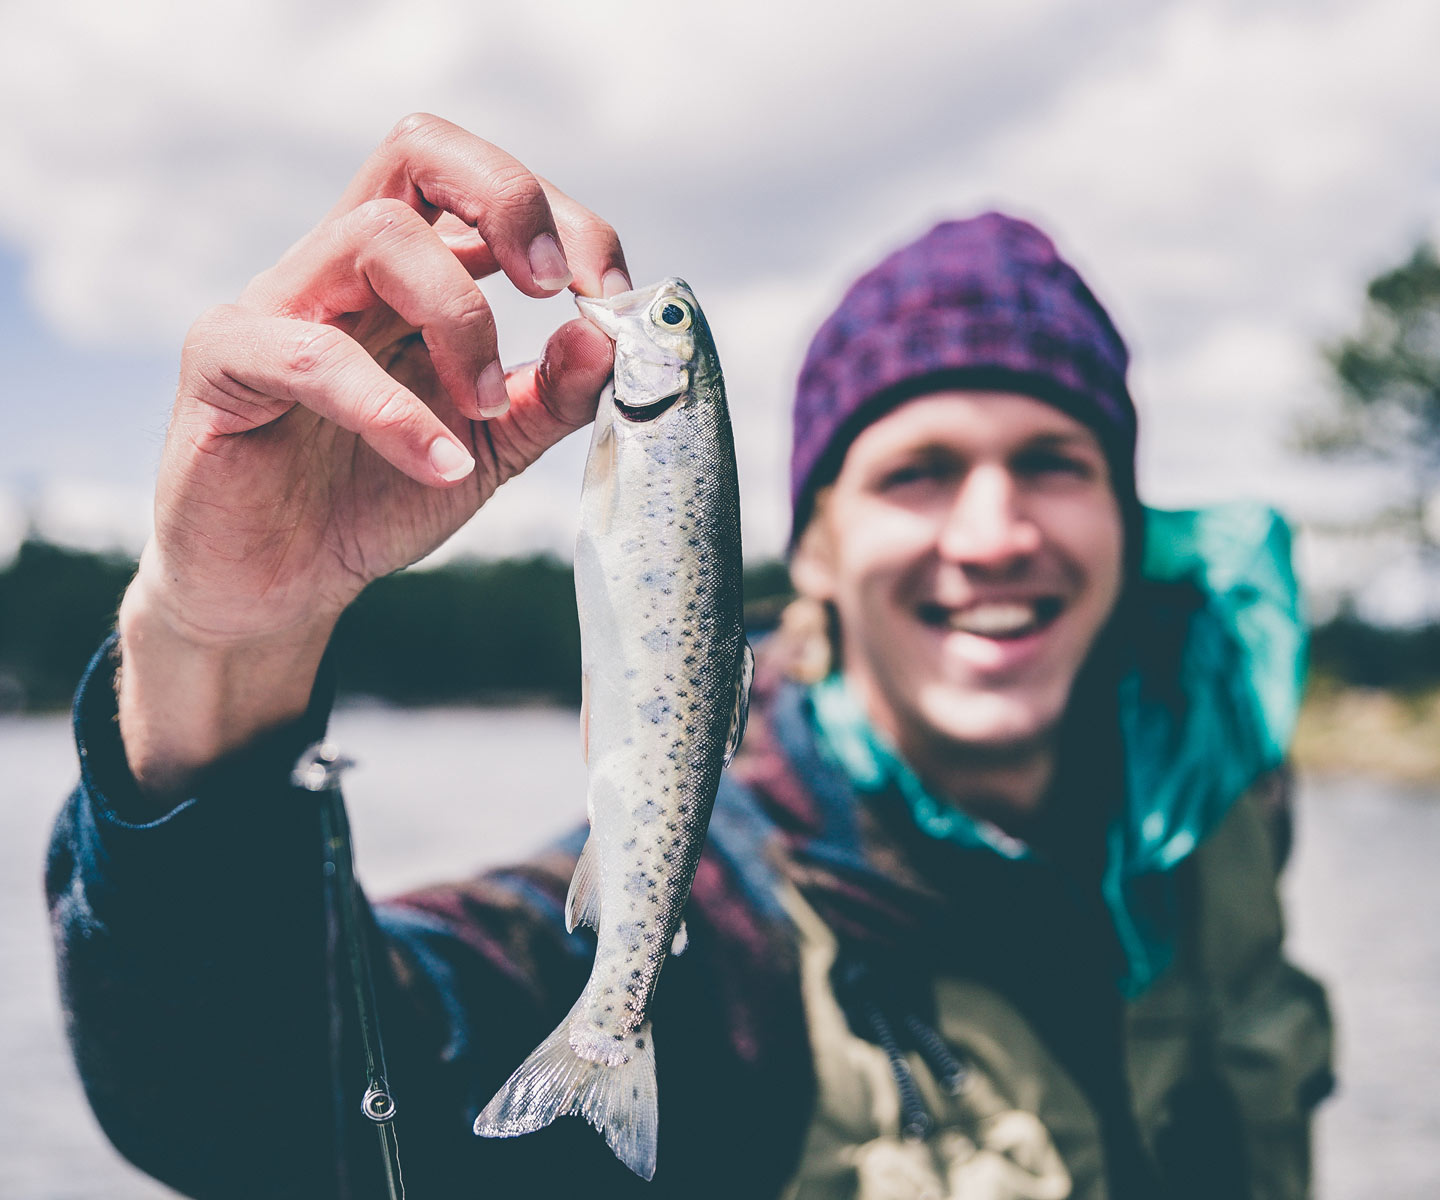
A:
(988, 909)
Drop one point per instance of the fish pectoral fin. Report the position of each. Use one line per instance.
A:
(585, 718)
(600, 464)
(744, 676)
(582, 902)
(682, 939)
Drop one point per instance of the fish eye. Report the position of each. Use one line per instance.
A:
(672, 313)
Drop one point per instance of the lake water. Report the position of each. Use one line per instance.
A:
(441, 792)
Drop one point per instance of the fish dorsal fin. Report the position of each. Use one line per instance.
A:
(582, 903)
(682, 939)
(744, 676)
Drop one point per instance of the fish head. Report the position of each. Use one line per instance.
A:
(659, 333)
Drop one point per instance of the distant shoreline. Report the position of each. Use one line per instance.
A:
(1370, 731)
(1342, 730)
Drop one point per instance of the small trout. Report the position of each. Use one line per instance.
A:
(666, 680)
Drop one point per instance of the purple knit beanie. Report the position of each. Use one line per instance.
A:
(984, 304)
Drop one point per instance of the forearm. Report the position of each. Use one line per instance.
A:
(187, 698)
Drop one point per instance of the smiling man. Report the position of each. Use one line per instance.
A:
(972, 545)
(964, 495)
(1061, 724)
(988, 908)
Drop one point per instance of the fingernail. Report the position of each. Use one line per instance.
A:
(491, 397)
(547, 264)
(613, 282)
(449, 460)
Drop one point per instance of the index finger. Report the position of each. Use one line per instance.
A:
(591, 245)
(437, 167)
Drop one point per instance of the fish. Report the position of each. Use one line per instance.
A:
(665, 682)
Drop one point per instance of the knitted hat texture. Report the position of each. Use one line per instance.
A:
(979, 304)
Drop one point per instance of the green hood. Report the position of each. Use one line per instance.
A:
(1207, 705)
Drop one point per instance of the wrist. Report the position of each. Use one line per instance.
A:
(188, 695)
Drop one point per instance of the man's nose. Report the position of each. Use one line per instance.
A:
(986, 524)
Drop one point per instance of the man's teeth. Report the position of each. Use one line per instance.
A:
(995, 620)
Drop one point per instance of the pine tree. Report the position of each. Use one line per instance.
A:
(1388, 408)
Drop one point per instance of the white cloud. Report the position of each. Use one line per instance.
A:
(535, 513)
(13, 527)
(178, 149)
(91, 515)
(1258, 161)
(1226, 174)
(1227, 178)
(1216, 415)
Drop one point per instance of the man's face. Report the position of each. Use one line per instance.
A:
(972, 546)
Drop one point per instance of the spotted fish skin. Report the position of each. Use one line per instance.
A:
(666, 677)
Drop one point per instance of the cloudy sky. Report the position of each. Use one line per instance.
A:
(1227, 175)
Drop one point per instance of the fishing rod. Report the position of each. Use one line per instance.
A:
(319, 770)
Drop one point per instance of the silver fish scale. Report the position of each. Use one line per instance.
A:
(662, 639)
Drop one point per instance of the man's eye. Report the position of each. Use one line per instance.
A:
(910, 473)
(1047, 462)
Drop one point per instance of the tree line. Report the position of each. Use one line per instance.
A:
(485, 632)
(469, 632)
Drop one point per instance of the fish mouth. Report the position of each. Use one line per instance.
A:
(609, 315)
(601, 314)
(639, 414)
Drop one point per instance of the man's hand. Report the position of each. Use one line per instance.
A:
(341, 420)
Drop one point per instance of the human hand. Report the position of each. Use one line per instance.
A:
(344, 417)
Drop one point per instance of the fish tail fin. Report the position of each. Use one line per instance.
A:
(616, 1094)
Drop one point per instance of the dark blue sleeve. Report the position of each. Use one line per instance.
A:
(191, 945)
(199, 976)
(207, 1003)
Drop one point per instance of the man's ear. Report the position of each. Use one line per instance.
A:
(812, 565)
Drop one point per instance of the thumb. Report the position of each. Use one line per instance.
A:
(549, 398)
(563, 387)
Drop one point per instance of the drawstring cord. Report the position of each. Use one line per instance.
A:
(857, 995)
(915, 1120)
(948, 1069)
(318, 770)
